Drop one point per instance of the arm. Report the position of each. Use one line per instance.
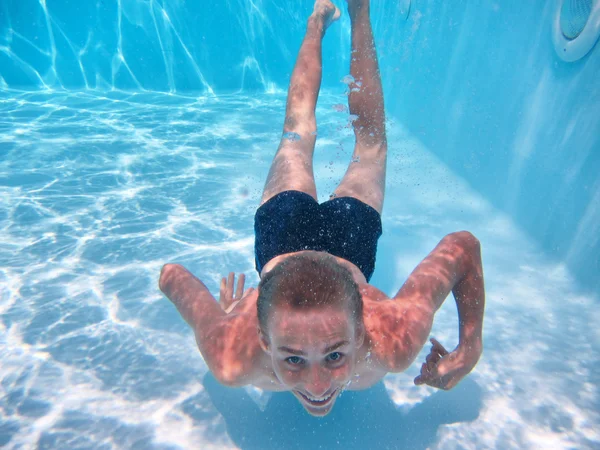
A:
(453, 266)
(190, 296)
(228, 341)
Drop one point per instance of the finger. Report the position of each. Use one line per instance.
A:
(230, 281)
(438, 347)
(430, 364)
(435, 345)
(433, 358)
(248, 291)
(240, 286)
(425, 371)
(424, 376)
(433, 374)
(429, 381)
(223, 290)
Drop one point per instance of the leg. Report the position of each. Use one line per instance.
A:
(292, 167)
(365, 179)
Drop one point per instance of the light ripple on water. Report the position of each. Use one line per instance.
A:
(98, 190)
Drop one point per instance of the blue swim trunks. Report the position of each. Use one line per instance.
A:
(293, 221)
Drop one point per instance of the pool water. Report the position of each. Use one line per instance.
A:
(99, 189)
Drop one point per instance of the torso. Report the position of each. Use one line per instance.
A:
(367, 371)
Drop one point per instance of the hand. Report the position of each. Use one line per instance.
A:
(227, 299)
(444, 370)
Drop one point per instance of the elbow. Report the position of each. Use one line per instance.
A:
(167, 274)
(466, 244)
(467, 248)
(466, 238)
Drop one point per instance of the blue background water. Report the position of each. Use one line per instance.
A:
(133, 133)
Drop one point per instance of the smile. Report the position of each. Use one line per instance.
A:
(316, 401)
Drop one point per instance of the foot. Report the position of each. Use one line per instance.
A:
(327, 11)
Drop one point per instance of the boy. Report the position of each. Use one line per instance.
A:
(315, 326)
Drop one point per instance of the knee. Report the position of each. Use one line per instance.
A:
(466, 239)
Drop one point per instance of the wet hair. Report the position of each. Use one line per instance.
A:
(307, 281)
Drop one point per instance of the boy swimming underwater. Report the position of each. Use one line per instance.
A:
(314, 326)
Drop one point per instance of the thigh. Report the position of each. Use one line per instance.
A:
(365, 177)
(292, 168)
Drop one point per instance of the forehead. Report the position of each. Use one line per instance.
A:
(321, 323)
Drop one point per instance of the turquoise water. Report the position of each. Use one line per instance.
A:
(99, 190)
(100, 187)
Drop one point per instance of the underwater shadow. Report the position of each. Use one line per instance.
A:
(360, 419)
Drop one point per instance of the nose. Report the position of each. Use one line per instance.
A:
(319, 382)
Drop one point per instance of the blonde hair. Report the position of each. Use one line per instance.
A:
(308, 280)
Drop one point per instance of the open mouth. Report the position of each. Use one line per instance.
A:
(318, 402)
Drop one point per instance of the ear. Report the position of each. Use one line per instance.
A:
(264, 341)
(360, 335)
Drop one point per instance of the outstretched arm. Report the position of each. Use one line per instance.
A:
(228, 339)
(453, 266)
(192, 298)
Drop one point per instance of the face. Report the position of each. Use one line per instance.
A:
(313, 353)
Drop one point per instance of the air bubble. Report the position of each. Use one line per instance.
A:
(356, 159)
(348, 79)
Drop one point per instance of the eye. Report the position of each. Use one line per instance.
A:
(335, 356)
(294, 360)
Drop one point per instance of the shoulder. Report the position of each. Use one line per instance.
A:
(234, 354)
(235, 351)
(394, 331)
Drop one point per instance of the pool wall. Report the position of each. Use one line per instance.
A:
(479, 83)
(483, 87)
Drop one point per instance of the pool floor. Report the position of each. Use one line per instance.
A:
(99, 190)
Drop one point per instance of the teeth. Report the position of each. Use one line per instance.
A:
(321, 400)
